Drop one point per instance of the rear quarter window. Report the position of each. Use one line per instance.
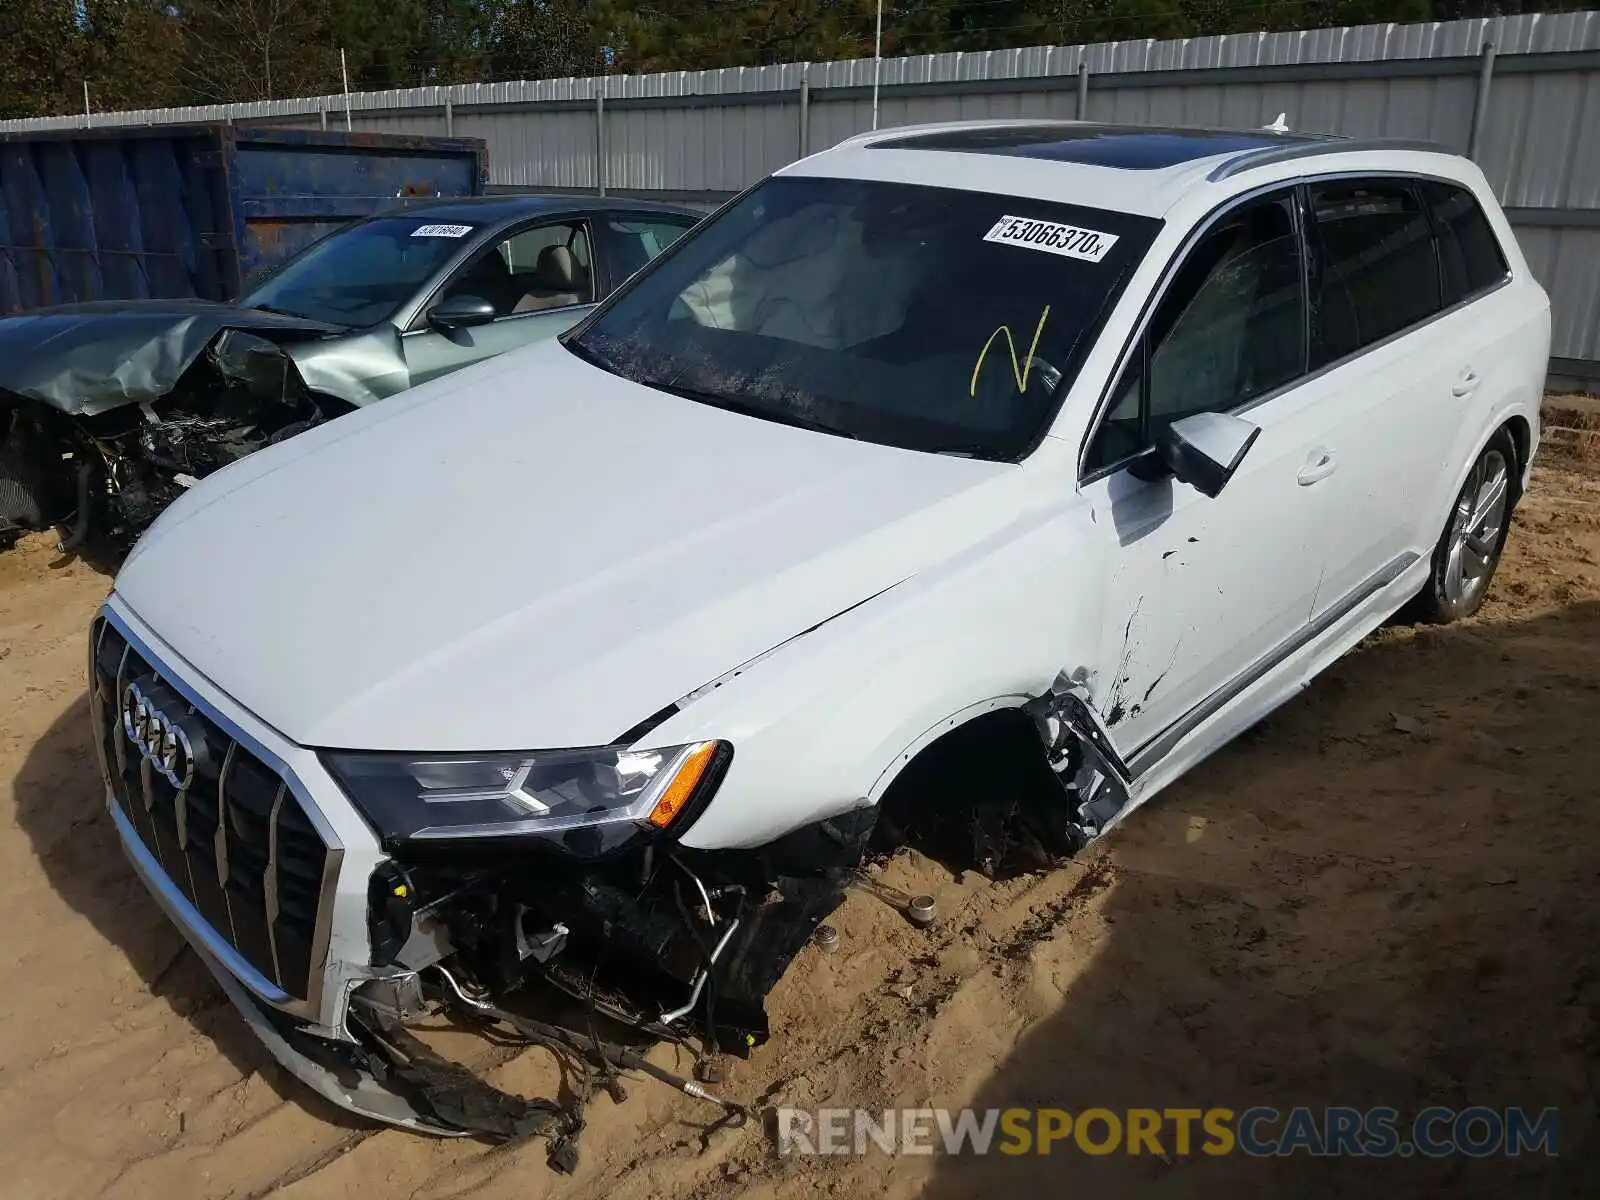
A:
(1470, 257)
(1377, 272)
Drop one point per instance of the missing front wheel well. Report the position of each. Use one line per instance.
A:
(982, 797)
(1521, 441)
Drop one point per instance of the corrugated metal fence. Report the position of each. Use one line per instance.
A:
(1521, 94)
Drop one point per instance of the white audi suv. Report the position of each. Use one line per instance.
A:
(1053, 453)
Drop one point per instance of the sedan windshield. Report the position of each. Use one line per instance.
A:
(363, 273)
(919, 317)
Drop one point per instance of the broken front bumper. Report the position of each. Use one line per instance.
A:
(340, 1071)
(257, 857)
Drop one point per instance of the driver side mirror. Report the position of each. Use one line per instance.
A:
(460, 312)
(1205, 449)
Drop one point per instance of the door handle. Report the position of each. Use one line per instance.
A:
(1466, 383)
(1319, 465)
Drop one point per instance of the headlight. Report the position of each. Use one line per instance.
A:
(596, 798)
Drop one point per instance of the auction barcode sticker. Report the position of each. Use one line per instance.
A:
(1070, 241)
(449, 231)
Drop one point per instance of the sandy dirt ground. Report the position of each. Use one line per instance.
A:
(1387, 894)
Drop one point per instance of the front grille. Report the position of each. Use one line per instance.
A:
(233, 838)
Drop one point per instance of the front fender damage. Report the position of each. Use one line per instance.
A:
(596, 960)
(1013, 791)
(591, 960)
(1079, 749)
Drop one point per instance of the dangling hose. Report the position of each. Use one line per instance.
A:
(622, 1058)
(80, 523)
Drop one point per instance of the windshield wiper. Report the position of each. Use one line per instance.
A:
(779, 415)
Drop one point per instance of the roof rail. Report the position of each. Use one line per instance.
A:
(871, 137)
(1249, 160)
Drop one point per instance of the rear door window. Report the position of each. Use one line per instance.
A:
(1377, 273)
(1470, 258)
(631, 242)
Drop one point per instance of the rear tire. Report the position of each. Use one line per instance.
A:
(1468, 551)
(21, 498)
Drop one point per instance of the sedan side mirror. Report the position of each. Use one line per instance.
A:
(1204, 450)
(459, 312)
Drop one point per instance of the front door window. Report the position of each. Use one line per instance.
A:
(1230, 328)
(549, 266)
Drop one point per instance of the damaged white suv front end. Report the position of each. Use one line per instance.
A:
(1036, 457)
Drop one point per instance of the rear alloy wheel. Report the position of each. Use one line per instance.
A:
(1468, 552)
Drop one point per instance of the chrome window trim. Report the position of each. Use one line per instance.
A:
(1203, 227)
(184, 912)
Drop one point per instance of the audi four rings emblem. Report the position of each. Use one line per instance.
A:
(158, 736)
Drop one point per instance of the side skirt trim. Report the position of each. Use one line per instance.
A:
(1163, 743)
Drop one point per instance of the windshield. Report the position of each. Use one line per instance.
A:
(914, 316)
(363, 273)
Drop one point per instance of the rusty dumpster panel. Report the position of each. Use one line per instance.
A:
(177, 212)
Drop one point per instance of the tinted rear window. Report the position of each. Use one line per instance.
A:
(1470, 258)
(914, 316)
(1377, 272)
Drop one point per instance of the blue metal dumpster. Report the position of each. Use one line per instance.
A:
(192, 210)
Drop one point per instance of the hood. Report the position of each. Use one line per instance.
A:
(530, 553)
(86, 359)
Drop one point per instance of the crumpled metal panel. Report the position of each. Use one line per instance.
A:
(89, 358)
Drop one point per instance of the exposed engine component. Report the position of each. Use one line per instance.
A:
(593, 961)
(671, 943)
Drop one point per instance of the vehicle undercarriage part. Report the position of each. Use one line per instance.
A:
(655, 943)
(460, 1098)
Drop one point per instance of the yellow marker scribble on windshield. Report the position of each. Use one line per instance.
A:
(1019, 371)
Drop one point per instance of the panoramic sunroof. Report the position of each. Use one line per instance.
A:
(1129, 147)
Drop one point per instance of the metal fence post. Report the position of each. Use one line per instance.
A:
(805, 110)
(1083, 91)
(1480, 102)
(449, 118)
(322, 116)
(600, 136)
